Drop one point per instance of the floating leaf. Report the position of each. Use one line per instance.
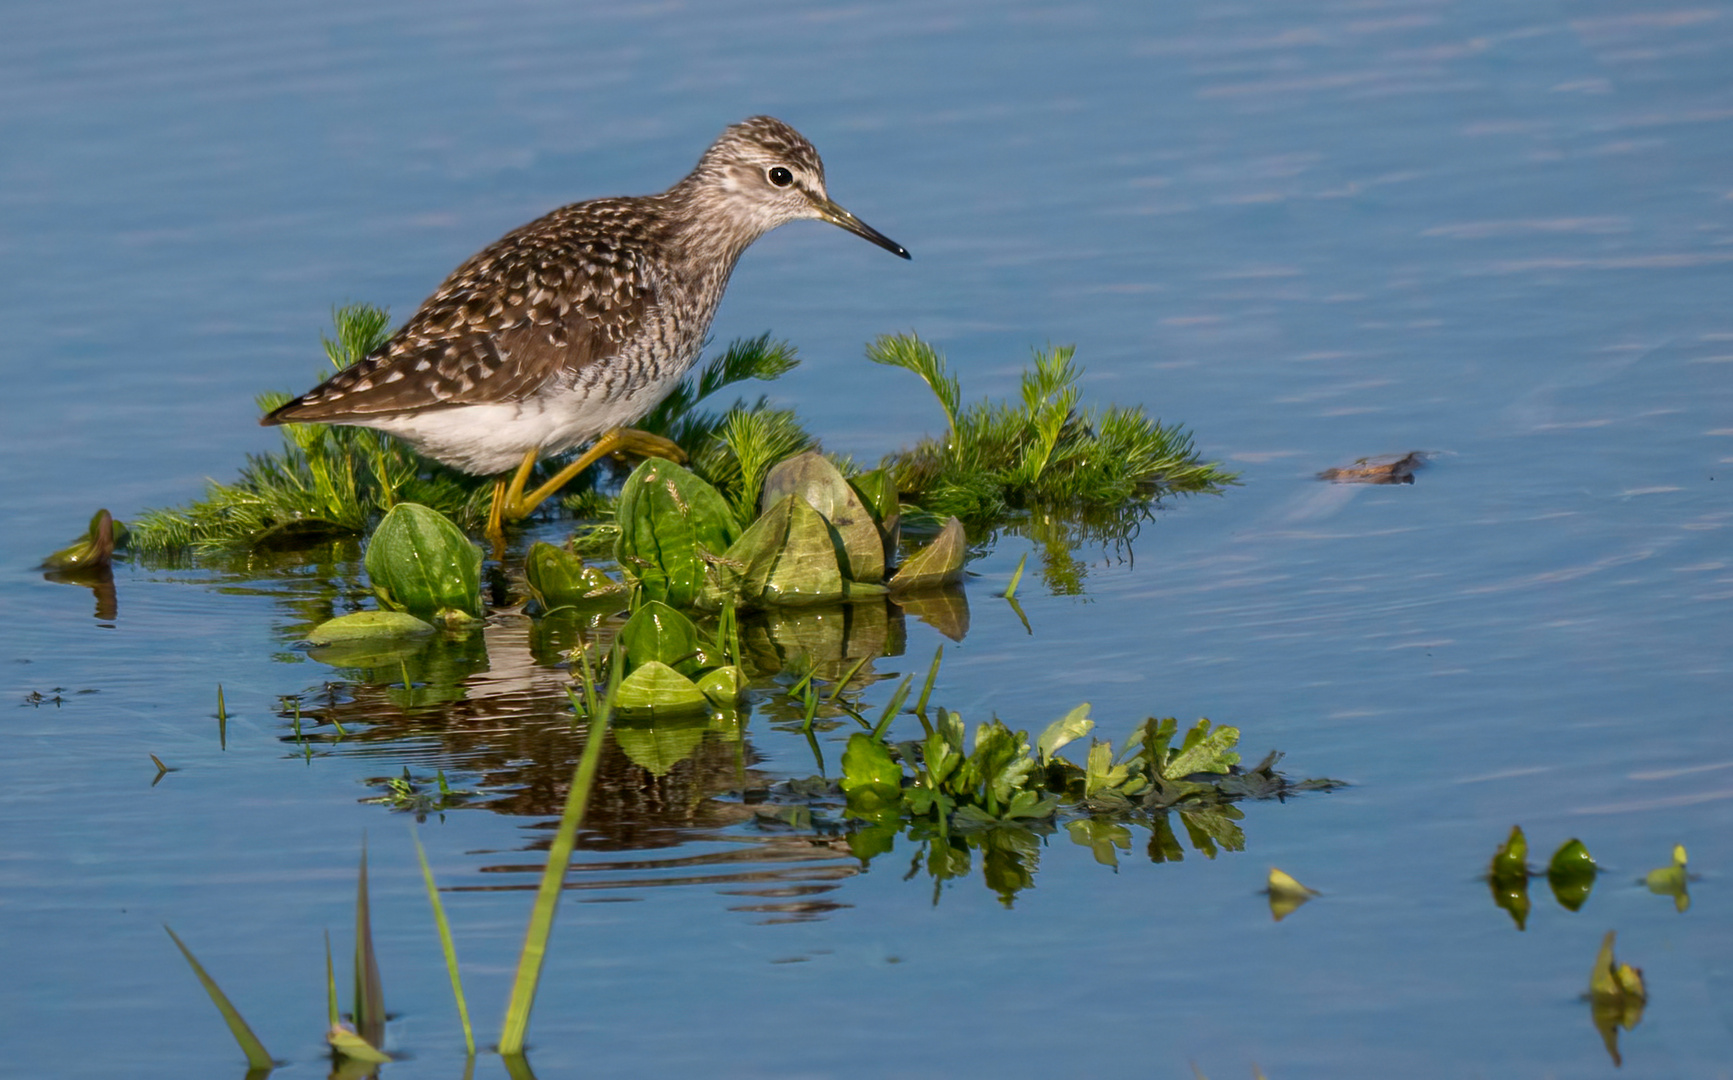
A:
(1617, 995)
(1571, 873)
(419, 562)
(1510, 862)
(938, 563)
(663, 742)
(878, 490)
(92, 551)
(363, 627)
(1672, 881)
(654, 685)
(354, 1047)
(657, 632)
(671, 525)
(1609, 978)
(1073, 725)
(1286, 894)
(812, 477)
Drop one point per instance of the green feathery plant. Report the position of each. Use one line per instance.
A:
(1042, 452)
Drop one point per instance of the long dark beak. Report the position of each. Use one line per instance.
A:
(836, 215)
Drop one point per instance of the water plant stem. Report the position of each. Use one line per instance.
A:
(529, 969)
(445, 943)
(257, 1057)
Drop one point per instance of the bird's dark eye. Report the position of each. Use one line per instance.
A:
(780, 176)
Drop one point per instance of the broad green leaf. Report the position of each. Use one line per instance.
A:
(806, 569)
(939, 563)
(1100, 771)
(724, 686)
(250, 1045)
(812, 477)
(878, 490)
(672, 524)
(1073, 725)
(558, 578)
(1571, 873)
(1204, 751)
(655, 685)
(866, 762)
(661, 743)
(657, 632)
(368, 626)
(1286, 894)
(419, 562)
(1510, 862)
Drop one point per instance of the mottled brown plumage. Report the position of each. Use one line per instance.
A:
(583, 320)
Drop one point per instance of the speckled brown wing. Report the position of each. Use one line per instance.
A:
(557, 295)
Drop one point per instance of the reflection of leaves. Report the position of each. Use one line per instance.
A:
(1211, 825)
(1102, 837)
(662, 743)
(1511, 894)
(1617, 995)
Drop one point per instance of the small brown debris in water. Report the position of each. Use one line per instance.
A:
(1380, 470)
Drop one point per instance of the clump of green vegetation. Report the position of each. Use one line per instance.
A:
(1042, 452)
(335, 480)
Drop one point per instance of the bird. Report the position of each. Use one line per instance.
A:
(570, 328)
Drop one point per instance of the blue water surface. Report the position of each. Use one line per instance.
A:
(1501, 234)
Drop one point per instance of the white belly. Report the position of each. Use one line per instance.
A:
(487, 439)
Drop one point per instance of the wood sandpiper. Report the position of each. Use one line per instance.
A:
(572, 327)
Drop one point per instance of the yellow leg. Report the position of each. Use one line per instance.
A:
(620, 440)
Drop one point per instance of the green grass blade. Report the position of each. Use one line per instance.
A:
(331, 1016)
(369, 995)
(842, 683)
(892, 707)
(932, 677)
(1016, 576)
(257, 1057)
(541, 925)
(445, 943)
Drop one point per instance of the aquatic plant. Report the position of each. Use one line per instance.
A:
(1570, 872)
(335, 480)
(1041, 452)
